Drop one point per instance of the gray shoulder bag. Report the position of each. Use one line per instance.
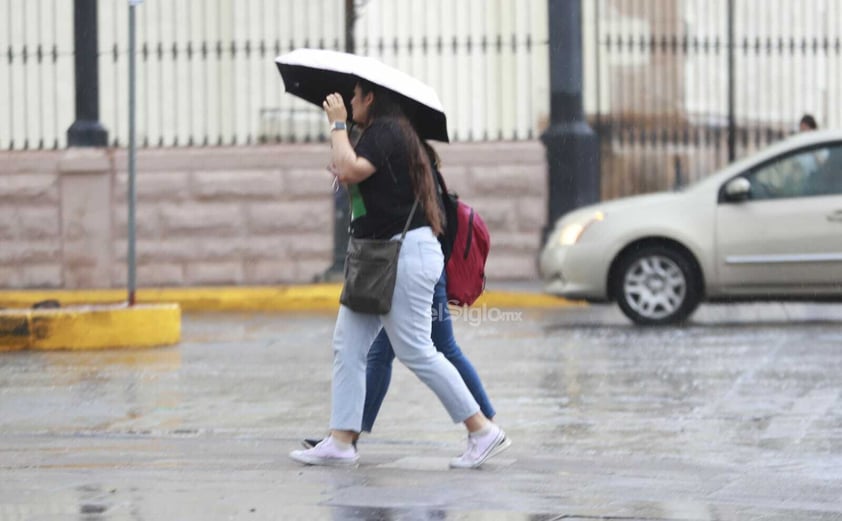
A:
(371, 269)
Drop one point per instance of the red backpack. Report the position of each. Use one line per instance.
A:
(466, 244)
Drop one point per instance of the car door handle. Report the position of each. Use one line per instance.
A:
(835, 216)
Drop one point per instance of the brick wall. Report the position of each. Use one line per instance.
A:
(228, 216)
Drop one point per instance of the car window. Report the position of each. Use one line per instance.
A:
(828, 179)
(817, 171)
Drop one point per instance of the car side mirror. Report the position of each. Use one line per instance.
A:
(738, 189)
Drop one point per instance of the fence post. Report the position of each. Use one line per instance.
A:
(572, 146)
(132, 199)
(732, 123)
(678, 182)
(86, 131)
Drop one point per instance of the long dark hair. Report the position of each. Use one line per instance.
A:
(420, 172)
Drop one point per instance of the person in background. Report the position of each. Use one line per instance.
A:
(381, 355)
(807, 123)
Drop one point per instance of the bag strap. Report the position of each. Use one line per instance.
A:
(442, 184)
(409, 219)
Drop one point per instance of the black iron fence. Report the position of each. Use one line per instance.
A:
(678, 89)
(206, 74)
(674, 88)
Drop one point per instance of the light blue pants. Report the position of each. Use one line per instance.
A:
(408, 326)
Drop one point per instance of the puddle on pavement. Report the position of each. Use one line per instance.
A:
(419, 514)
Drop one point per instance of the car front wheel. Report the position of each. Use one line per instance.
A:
(656, 285)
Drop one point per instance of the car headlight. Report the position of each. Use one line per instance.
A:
(571, 232)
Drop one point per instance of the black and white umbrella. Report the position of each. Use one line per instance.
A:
(312, 74)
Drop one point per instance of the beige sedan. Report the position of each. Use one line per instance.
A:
(768, 227)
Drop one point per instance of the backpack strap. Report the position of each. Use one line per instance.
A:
(451, 214)
(442, 184)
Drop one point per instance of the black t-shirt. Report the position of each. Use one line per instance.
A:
(381, 203)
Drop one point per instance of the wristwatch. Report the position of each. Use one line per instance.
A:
(338, 125)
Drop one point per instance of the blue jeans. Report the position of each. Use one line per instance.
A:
(378, 370)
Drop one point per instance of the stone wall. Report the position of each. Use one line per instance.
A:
(228, 216)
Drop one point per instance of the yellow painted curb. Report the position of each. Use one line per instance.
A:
(311, 297)
(513, 299)
(90, 327)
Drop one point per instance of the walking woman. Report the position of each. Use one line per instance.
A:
(381, 355)
(385, 173)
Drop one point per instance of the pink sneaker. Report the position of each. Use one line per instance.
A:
(480, 448)
(326, 453)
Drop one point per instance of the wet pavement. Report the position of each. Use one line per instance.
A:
(736, 416)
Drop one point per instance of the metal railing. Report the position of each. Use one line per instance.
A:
(678, 89)
(674, 89)
(206, 73)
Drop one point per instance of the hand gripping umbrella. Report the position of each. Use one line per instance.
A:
(312, 74)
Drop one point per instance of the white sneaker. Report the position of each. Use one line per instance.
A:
(480, 448)
(326, 453)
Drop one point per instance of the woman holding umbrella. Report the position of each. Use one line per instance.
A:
(386, 173)
(381, 355)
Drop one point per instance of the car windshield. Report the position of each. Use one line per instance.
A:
(789, 163)
(739, 165)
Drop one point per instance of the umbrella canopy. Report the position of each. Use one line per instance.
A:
(312, 74)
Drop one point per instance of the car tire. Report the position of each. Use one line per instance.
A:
(656, 285)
